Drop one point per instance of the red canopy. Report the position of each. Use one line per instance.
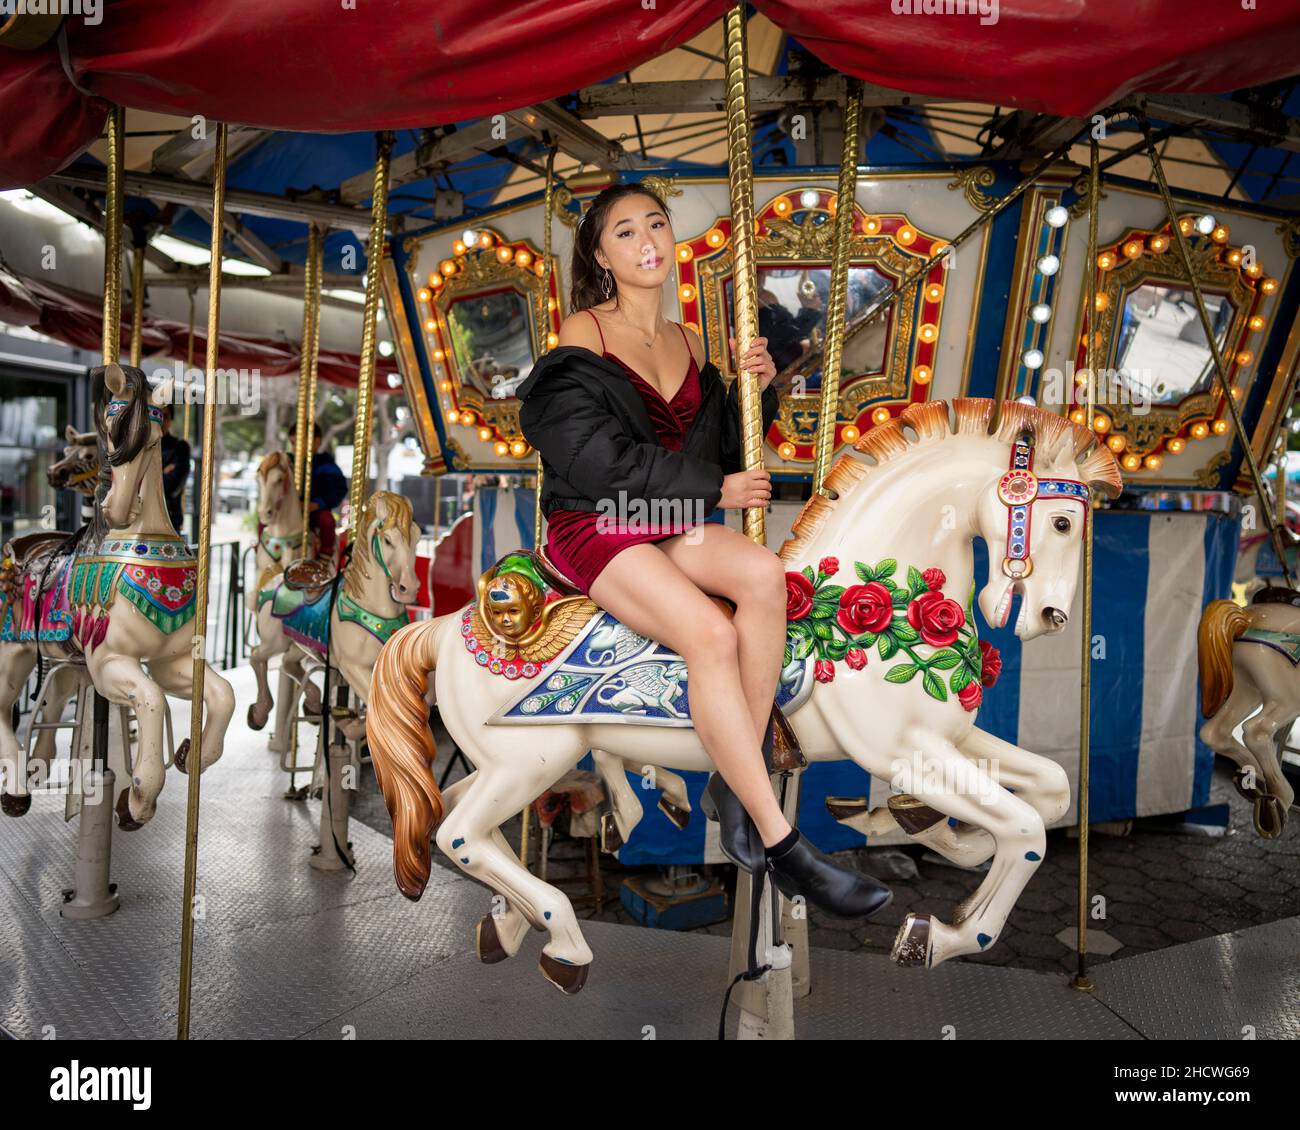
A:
(304, 65)
(75, 318)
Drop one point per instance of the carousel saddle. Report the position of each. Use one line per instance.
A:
(579, 663)
(309, 576)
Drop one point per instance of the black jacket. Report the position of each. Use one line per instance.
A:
(582, 413)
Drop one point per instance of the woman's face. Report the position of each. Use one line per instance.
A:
(637, 244)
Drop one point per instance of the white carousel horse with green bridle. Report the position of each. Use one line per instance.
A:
(882, 666)
(120, 593)
(279, 516)
(1248, 661)
(299, 619)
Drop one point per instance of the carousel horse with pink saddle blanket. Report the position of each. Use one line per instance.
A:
(118, 595)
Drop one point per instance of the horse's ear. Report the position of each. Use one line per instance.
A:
(114, 378)
(162, 395)
(70, 434)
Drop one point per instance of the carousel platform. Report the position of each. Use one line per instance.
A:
(283, 951)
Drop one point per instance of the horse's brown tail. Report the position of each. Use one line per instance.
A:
(1221, 623)
(402, 749)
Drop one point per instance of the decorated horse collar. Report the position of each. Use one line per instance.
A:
(150, 550)
(381, 627)
(276, 544)
(1019, 488)
(117, 407)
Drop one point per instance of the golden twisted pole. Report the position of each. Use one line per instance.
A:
(525, 817)
(837, 299)
(112, 326)
(302, 421)
(1221, 371)
(189, 367)
(369, 318)
(1081, 980)
(740, 178)
(137, 302)
(311, 364)
(195, 761)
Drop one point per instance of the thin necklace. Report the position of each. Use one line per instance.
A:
(648, 344)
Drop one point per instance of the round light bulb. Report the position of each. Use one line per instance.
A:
(1205, 224)
(1033, 358)
(1057, 217)
(1048, 265)
(1040, 312)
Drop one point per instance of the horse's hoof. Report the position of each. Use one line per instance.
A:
(912, 815)
(569, 979)
(253, 723)
(182, 755)
(679, 816)
(1270, 817)
(1250, 794)
(611, 839)
(912, 946)
(125, 820)
(846, 807)
(15, 805)
(487, 942)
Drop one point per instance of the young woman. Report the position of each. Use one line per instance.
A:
(623, 432)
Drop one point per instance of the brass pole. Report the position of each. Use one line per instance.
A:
(837, 299)
(189, 367)
(312, 361)
(302, 445)
(208, 453)
(112, 327)
(547, 205)
(740, 179)
(1275, 531)
(366, 370)
(137, 300)
(1081, 980)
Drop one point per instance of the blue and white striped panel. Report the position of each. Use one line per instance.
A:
(1153, 574)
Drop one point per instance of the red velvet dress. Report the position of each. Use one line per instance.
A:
(574, 543)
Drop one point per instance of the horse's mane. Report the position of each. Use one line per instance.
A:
(271, 459)
(129, 429)
(396, 507)
(1053, 435)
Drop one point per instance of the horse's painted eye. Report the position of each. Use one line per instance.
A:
(1061, 524)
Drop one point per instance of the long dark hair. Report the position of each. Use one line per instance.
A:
(129, 429)
(588, 277)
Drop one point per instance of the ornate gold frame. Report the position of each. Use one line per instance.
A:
(1219, 269)
(781, 242)
(490, 264)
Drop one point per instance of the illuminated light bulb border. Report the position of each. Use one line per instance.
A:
(1035, 311)
(525, 257)
(1238, 357)
(873, 229)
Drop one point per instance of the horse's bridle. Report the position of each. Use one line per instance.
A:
(1019, 488)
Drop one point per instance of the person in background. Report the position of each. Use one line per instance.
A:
(175, 470)
(329, 487)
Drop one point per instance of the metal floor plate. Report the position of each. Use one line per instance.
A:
(283, 951)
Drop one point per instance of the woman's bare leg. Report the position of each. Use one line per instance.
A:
(653, 597)
(724, 562)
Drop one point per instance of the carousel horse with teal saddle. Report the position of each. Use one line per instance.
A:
(882, 665)
(1249, 662)
(306, 612)
(118, 595)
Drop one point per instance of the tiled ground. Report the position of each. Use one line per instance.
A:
(1161, 888)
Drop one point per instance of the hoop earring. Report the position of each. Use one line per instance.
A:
(607, 285)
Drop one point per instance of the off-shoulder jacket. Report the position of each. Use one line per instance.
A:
(582, 413)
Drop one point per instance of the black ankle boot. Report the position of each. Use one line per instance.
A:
(841, 891)
(737, 834)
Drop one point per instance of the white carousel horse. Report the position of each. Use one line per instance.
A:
(298, 619)
(885, 567)
(279, 514)
(1248, 659)
(118, 593)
